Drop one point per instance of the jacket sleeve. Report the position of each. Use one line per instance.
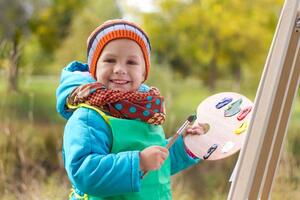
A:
(88, 161)
(73, 75)
(180, 160)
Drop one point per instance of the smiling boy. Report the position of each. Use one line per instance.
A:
(114, 133)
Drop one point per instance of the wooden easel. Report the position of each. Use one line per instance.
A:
(261, 151)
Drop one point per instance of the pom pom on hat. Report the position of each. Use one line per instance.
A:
(116, 29)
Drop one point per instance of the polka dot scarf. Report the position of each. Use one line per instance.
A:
(144, 106)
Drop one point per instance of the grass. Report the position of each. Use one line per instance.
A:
(30, 142)
(35, 101)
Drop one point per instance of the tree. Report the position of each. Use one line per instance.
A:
(48, 21)
(88, 18)
(51, 23)
(212, 39)
(14, 18)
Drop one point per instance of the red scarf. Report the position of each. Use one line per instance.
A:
(144, 106)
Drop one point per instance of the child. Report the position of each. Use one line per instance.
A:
(114, 134)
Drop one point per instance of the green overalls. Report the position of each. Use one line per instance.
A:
(129, 135)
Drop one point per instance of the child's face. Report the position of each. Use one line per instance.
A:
(121, 65)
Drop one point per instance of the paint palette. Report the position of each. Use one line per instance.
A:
(228, 115)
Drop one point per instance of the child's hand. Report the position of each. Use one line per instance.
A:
(151, 158)
(197, 128)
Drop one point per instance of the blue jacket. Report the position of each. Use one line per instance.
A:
(87, 142)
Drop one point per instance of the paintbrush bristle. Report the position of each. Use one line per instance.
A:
(192, 118)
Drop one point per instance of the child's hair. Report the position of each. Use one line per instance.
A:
(116, 29)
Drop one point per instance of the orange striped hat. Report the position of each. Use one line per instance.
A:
(116, 29)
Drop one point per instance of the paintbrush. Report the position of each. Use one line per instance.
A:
(179, 132)
(189, 120)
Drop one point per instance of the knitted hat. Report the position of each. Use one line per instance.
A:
(116, 29)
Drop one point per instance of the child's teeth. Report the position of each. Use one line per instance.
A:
(120, 82)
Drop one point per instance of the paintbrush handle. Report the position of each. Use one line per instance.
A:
(178, 133)
(172, 140)
(146, 172)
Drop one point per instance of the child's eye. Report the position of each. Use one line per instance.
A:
(109, 60)
(131, 62)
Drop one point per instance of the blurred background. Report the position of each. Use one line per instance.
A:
(199, 48)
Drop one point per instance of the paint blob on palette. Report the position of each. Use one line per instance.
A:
(228, 115)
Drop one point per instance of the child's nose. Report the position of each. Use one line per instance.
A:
(119, 69)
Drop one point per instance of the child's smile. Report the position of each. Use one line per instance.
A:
(118, 83)
(121, 65)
